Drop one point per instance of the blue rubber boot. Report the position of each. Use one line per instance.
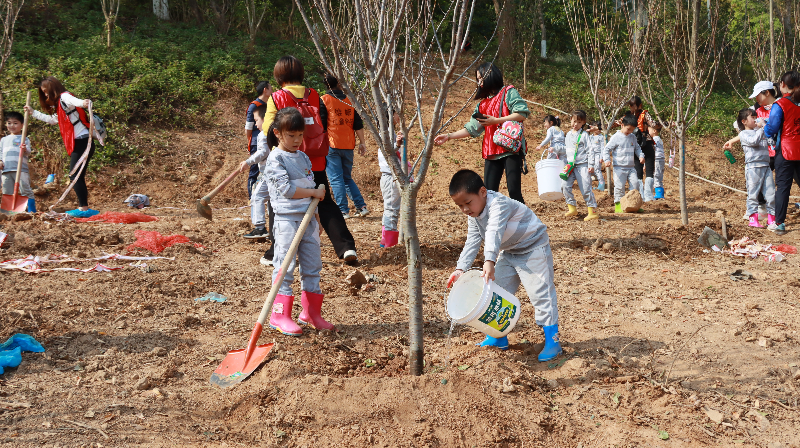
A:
(600, 187)
(31, 205)
(659, 193)
(552, 348)
(501, 343)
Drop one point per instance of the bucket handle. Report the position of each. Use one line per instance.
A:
(543, 153)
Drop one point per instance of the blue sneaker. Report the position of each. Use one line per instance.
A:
(501, 343)
(552, 347)
(601, 187)
(78, 213)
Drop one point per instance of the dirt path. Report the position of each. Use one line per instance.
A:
(660, 342)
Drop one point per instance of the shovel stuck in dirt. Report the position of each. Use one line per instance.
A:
(15, 202)
(239, 364)
(203, 207)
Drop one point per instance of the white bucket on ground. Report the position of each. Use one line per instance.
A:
(547, 178)
(485, 307)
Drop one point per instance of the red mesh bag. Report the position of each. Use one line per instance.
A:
(156, 242)
(785, 248)
(119, 218)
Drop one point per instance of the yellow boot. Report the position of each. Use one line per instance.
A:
(572, 211)
(591, 215)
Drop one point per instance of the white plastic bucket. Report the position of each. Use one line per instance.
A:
(485, 307)
(548, 182)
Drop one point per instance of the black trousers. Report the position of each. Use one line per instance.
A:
(761, 199)
(252, 176)
(331, 219)
(649, 166)
(493, 173)
(80, 186)
(785, 172)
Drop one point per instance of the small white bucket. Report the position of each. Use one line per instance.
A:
(548, 182)
(485, 307)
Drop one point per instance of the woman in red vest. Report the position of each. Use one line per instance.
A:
(289, 73)
(68, 113)
(784, 126)
(499, 103)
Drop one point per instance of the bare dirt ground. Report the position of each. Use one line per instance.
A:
(662, 347)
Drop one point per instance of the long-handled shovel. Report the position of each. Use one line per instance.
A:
(239, 364)
(15, 202)
(202, 204)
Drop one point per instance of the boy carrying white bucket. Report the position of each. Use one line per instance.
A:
(516, 250)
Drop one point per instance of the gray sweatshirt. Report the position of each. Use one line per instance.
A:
(503, 225)
(260, 156)
(754, 145)
(624, 148)
(584, 155)
(659, 147)
(286, 172)
(9, 145)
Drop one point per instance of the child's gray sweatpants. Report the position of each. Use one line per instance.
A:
(621, 175)
(658, 174)
(391, 201)
(580, 174)
(24, 183)
(759, 180)
(308, 254)
(535, 271)
(259, 198)
(598, 171)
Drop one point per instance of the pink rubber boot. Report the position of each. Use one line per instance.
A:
(389, 237)
(770, 220)
(312, 311)
(281, 318)
(754, 220)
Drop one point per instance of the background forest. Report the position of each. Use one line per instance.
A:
(166, 72)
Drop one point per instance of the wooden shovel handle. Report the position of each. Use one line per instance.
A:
(219, 188)
(22, 142)
(287, 260)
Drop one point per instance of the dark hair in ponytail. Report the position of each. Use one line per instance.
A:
(792, 81)
(552, 120)
(743, 114)
(287, 119)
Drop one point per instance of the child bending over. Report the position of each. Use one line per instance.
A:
(516, 249)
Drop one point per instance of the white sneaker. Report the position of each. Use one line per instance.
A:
(346, 215)
(350, 257)
(746, 217)
(773, 227)
(265, 261)
(363, 211)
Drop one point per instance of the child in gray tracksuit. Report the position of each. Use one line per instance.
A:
(554, 137)
(620, 150)
(577, 152)
(516, 249)
(596, 143)
(290, 181)
(259, 196)
(756, 166)
(658, 169)
(13, 153)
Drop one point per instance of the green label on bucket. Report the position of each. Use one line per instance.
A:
(499, 313)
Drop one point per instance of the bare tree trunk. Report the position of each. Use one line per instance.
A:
(502, 9)
(416, 341)
(543, 29)
(682, 175)
(198, 13)
(2, 109)
(161, 9)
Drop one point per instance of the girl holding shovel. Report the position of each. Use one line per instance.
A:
(62, 108)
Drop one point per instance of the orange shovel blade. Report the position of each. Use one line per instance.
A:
(11, 203)
(235, 368)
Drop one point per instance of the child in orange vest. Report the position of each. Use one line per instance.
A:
(344, 124)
